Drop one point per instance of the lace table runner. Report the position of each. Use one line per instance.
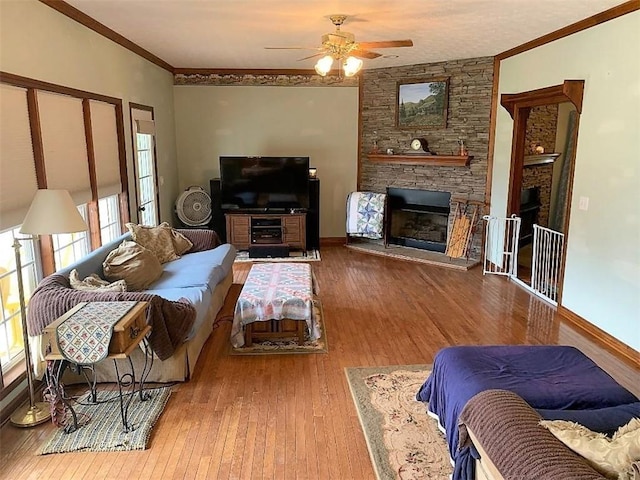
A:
(85, 336)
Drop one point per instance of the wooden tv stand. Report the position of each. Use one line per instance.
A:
(246, 229)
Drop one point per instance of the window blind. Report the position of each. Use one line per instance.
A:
(105, 146)
(18, 183)
(64, 145)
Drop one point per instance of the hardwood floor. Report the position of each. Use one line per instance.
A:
(292, 416)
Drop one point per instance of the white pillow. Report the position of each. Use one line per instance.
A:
(94, 282)
(613, 457)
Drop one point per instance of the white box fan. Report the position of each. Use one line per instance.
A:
(193, 207)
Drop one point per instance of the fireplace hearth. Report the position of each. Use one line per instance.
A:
(417, 218)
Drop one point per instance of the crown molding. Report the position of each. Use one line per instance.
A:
(602, 17)
(84, 19)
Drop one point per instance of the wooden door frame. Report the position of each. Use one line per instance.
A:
(519, 105)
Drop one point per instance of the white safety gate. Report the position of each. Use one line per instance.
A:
(501, 245)
(548, 247)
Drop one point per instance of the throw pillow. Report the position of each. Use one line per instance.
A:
(134, 264)
(157, 239)
(613, 457)
(94, 282)
(181, 244)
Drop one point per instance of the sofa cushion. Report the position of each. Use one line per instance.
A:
(207, 268)
(613, 457)
(134, 264)
(94, 282)
(604, 420)
(156, 239)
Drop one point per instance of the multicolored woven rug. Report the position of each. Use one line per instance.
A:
(404, 443)
(101, 429)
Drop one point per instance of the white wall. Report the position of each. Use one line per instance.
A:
(318, 122)
(40, 43)
(602, 278)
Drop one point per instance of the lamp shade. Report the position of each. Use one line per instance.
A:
(52, 211)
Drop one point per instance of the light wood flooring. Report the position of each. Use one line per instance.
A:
(292, 416)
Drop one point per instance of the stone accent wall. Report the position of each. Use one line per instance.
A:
(540, 176)
(541, 129)
(470, 86)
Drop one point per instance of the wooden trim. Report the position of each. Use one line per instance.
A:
(124, 176)
(19, 81)
(620, 349)
(492, 132)
(569, 91)
(46, 243)
(435, 160)
(517, 160)
(360, 130)
(92, 24)
(602, 17)
(329, 241)
(243, 71)
(36, 137)
(567, 216)
(92, 206)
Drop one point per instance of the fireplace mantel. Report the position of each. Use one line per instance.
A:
(416, 159)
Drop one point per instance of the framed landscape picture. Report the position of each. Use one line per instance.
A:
(422, 103)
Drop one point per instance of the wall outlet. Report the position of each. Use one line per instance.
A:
(584, 203)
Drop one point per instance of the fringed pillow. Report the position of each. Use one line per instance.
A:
(613, 457)
(94, 282)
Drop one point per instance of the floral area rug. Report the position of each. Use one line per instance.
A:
(101, 427)
(404, 443)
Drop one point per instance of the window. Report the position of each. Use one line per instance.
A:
(109, 210)
(11, 344)
(146, 180)
(71, 247)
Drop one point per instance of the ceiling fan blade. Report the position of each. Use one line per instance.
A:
(291, 48)
(386, 44)
(364, 54)
(311, 56)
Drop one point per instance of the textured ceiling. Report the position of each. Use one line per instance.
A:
(233, 33)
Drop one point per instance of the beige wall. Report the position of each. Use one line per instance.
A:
(602, 278)
(318, 122)
(40, 43)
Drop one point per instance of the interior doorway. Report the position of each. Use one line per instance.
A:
(549, 152)
(542, 165)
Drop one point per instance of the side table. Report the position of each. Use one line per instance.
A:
(128, 333)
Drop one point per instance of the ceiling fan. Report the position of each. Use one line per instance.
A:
(342, 46)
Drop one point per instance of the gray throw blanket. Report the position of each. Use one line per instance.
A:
(170, 321)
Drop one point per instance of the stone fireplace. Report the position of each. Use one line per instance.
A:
(417, 218)
(468, 119)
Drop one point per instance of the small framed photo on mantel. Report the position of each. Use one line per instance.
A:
(422, 103)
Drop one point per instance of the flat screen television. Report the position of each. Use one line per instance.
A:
(264, 183)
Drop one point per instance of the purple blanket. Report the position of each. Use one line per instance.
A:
(546, 377)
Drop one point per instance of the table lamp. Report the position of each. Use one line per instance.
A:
(51, 212)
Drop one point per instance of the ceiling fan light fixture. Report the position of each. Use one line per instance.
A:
(323, 66)
(351, 66)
